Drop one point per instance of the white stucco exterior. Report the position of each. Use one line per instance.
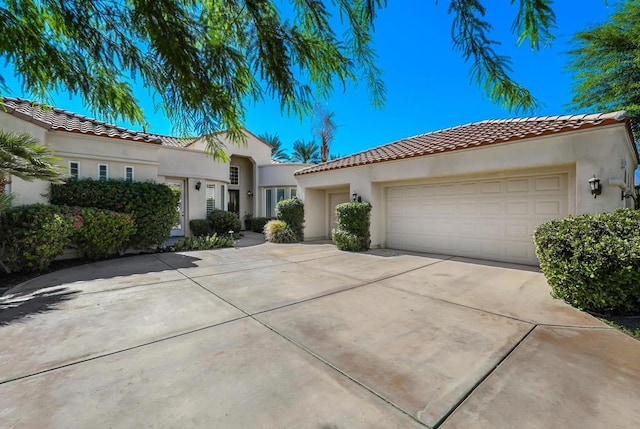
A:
(606, 152)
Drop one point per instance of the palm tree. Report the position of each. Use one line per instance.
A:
(277, 151)
(23, 156)
(307, 153)
(324, 128)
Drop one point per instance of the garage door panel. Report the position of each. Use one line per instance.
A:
(490, 219)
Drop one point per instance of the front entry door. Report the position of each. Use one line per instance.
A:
(234, 201)
(178, 228)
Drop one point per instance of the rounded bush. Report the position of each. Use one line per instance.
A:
(593, 261)
(222, 222)
(100, 233)
(291, 211)
(258, 223)
(352, 231)
(200, 227)
(31, 237)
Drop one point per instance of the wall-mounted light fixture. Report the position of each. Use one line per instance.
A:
(354, 196)
(596, 187)
(249, 193)
(198, 185)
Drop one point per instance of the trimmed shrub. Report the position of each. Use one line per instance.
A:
(277, 231)
(258, 223)
(291, 211)
(204, 242)
(352, 230)
(31, 237)
(593, 261)
(222, 222)
(151, 205)
(200, 227)
(100, 233)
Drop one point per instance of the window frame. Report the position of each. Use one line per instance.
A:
(207, 186)
(237, 169)
(106, 169)
(132, 173)
(77, 175)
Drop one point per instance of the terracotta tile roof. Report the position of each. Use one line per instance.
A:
(56, 119)
(469, 136)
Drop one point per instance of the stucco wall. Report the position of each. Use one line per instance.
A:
(273, 175)
(600, 151)
(177, 162)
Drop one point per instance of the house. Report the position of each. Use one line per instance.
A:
(479, 190)
(249, 183)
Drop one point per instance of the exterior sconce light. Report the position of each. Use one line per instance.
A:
(354, 196)
(596, 187)
(198, 185)
(249, 193)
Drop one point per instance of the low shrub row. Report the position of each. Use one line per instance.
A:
(204, 242)
(352, 228)
(219, 222)
(593, 261)
(33, 236)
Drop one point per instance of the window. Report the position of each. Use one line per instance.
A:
(280, 194)
(268, 202)
(234, 175)
(211, 197)
(293, 192)
(103, 172)
(74, 170)
(128, 174)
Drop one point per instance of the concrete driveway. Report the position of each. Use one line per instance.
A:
(305, 336)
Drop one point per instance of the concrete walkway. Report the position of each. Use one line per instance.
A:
(305, 336)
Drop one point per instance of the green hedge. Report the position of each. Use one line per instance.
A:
(222, 222)
(204, 242)
(291, 211)
(352, 229)
(151, 205)
(200, 227)
(593, 261)
(31, 237)
(258, 223)
(100, 233)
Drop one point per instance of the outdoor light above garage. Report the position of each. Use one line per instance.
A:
(596, 187)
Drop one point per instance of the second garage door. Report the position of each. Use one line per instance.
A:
(486, 218)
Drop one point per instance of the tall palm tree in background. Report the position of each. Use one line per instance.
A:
(324, 127)
(277, 151)
(307, 153)
(23, 156)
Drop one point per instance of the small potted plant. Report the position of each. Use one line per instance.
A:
(248, 219)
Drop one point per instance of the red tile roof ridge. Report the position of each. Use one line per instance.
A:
(472, 134)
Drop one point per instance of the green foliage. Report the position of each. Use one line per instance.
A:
(152, 206)
(606, 66)
(100, 233)
(258, 223)
(31, 237)
(23, 156)
(306, 153)
(278, 152)
(204, 242)
(277, 231)
(291, 211)
(352, 229)
(200, 227)
(593, 261)
(222, 222)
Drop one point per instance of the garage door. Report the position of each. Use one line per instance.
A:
(487, 219)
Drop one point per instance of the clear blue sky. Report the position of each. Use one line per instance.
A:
(428, 84)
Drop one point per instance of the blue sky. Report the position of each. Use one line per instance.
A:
(428, 84)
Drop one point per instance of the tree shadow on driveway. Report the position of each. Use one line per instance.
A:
(14, 307)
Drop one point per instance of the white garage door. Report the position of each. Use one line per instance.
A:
(488, 219)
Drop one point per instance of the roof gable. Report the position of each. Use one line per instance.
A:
(472, 135)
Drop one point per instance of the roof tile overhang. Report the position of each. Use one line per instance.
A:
(52, 118)
(472, 135)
